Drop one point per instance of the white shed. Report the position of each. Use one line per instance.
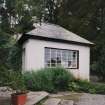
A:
(49, 45)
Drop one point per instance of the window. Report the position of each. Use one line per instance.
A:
(60, 57)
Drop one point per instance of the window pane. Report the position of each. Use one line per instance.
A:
(58, 57)
(69, 55)
(69, 58)
(65, 58)
(74, 55)
(69, 64)
(64, 55)
(47, 64)
(53, 57)
(74, 60)
(74, 64)
(47, 57)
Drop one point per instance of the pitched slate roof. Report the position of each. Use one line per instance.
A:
(52, 31)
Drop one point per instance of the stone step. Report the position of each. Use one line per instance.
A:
(52, 101)
(67, 102)
(35, 97)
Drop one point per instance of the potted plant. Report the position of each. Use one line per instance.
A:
(19, 96)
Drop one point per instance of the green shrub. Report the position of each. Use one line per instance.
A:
(48, 79)
(16, 81)
(100, 88)
(73, 86)
(61, 78)
(39, 80)
(88, 87)
(84, 85)
(3, 75)
(13, 79)
(58, 79)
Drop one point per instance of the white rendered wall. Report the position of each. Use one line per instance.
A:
(34, 56)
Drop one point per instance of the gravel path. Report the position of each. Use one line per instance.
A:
(91, 99)
(81, 98)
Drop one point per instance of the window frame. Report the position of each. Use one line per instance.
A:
(61, 56)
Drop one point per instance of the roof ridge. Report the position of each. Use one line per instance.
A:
(55, 31)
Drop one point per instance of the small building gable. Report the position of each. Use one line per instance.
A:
(54, 32)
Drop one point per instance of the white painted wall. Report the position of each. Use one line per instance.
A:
(34, 56)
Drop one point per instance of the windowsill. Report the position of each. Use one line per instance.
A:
(71, 68)
(64, 68)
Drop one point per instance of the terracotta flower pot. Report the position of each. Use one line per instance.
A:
(18, 99)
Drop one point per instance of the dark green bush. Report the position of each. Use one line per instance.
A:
(48, 79)
(100, 88)
(39, 80)
(84, 85)
(88, 87)
(73, 86)
(3, 75)
(13, 79)
(16, 81)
